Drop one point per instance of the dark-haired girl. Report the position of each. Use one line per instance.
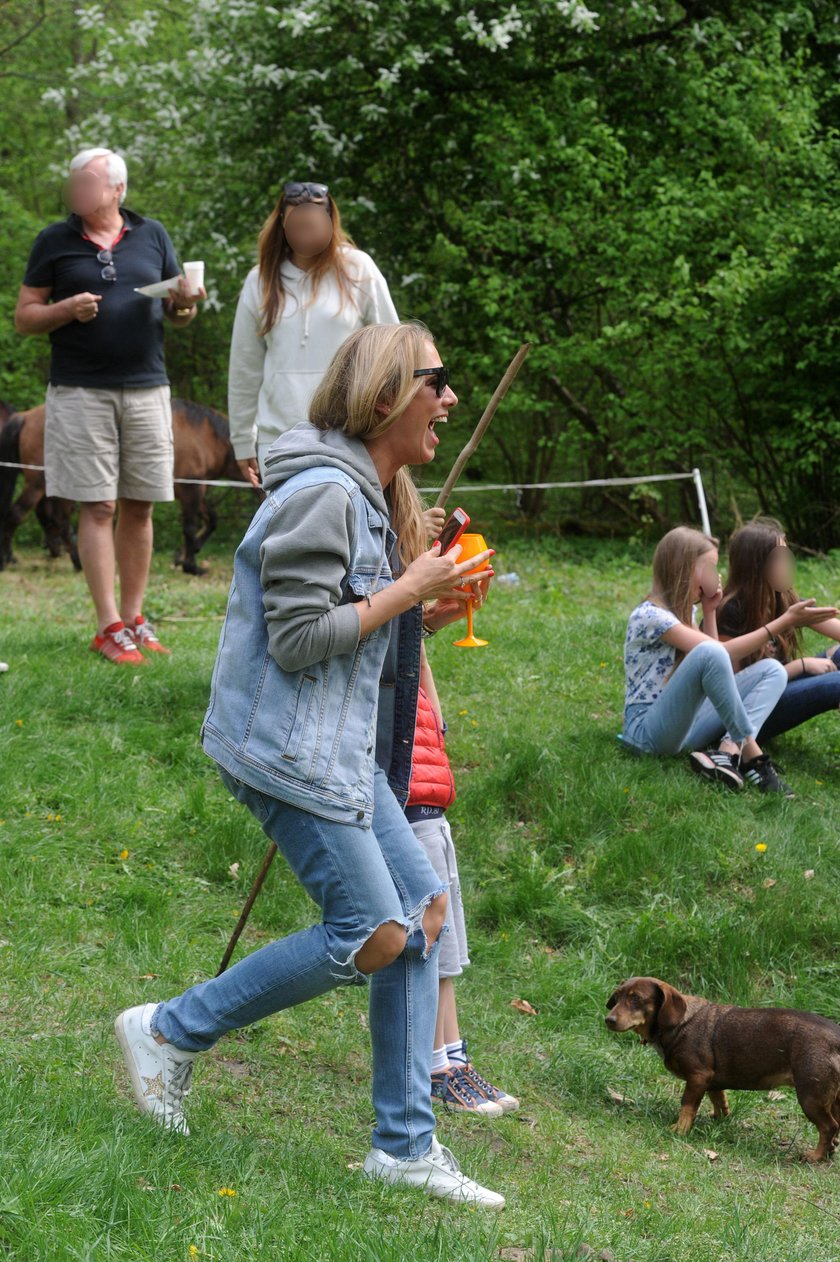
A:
(760, 589)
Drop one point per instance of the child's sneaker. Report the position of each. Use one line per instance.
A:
(457, 1091)
(507, 1103)
(714, 764)
(764, 776)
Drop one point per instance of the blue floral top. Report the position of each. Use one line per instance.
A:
(648, 659)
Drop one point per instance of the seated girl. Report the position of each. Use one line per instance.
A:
(682, 692)
(759, 589)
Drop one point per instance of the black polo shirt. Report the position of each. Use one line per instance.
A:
(123, 345)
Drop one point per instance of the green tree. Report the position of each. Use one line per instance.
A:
(648, 192)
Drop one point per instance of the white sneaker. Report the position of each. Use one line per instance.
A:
(438, 1174)
(160, 1072)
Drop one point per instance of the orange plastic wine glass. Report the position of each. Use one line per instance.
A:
(471, 546)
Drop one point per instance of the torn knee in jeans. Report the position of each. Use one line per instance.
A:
(434, 918)
(382, 947)
(388, 941)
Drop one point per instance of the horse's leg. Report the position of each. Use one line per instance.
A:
(8, 478)
(68, 534)
(29, 498)
(210, 519)
(54, 522)
(190, 498)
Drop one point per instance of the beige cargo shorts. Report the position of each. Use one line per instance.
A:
(108, 444)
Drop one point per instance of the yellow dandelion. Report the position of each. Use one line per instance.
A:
(19, 722)
(227, 1192)
(58, 819)
(463, 712)
(124, 855)
(761, 846)
(192, 1251)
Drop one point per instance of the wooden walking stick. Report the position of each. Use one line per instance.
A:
(268, 859)
(482, 426)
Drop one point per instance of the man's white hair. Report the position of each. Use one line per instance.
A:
(115, 166)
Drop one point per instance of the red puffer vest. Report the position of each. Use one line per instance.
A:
(431, 776)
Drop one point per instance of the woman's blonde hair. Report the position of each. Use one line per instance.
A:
(674, 560)
(273, 250)
(374, 366)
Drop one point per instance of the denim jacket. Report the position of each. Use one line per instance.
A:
(309, 735)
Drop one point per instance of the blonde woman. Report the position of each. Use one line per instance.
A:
(681, 688)
(311, 288)
(326, 604)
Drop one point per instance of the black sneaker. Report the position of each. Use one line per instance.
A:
(714, 764)
(762, 773)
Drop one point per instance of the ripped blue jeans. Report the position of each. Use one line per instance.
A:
(360, 878)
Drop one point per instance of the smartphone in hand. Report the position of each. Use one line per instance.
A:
(453, 528)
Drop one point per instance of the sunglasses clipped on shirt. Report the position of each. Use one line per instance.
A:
(109, 271)
(441, 376)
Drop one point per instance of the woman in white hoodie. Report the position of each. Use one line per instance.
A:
(310, 290)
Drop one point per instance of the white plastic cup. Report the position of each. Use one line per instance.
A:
(194, 272)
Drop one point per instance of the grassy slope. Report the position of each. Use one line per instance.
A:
(581, 865)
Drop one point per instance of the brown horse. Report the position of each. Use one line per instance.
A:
(202, 449)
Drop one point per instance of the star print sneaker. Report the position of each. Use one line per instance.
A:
(160, 1072)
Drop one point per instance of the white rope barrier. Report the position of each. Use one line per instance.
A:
(474, 487)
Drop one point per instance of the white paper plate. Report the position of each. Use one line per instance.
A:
(160, 289)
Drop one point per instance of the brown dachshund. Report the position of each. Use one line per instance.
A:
(713, 1047)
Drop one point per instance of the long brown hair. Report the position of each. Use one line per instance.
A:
(674, 560)
(273, 250)
(375, 365)
(749, 552)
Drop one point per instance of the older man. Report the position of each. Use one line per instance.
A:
(108, 438)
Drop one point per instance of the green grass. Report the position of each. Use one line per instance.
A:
(581, 865)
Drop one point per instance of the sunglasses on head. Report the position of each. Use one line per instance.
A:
(441, 376)
(295, 192)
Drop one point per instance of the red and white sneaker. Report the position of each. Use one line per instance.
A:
(143, 635)
(116, 645)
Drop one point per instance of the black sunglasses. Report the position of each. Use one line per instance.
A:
(296, 192)
(109, 271)
(441, 376)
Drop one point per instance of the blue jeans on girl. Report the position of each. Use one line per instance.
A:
(803, 699)
(703, 701)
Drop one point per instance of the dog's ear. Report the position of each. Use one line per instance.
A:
(613, 1000)
(672, 1008)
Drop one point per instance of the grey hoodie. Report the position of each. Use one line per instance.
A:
(303, 586)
